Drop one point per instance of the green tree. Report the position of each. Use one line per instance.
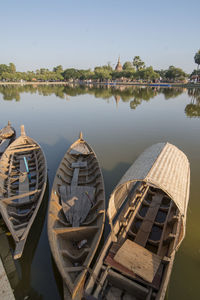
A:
(138, 63)
(58, 69)
(197, 59)
(70, 74)
(103, 73)
(127, 66)
(174, 73)
(161, 73)
(12, 68)
(148, 74)
(3, 68)
(86, 74)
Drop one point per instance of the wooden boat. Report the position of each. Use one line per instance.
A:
(23, 176)
(76, 215)
(137, 258)
(7, 136)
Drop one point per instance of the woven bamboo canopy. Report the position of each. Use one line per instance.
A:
(163, 166)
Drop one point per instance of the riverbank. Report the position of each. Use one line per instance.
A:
(163, 84)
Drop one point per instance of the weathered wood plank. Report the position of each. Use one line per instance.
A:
(76, 202)
(10, 199)
(85, 196)
(138, 259)
(132, 287)
(74, 180)
(75, 177)
(80, 148)
(19, 248)
(24, 149)
(79, 164)
(67, 204)
(23, 181)
(146, 226)
(109, 261)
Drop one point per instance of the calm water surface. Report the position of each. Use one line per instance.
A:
(119, 123)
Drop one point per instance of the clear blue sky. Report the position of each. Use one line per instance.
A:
(86, 33)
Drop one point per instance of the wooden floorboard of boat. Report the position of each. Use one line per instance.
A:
(146, 226)
(23, 181)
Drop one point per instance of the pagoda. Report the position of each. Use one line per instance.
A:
(118, 66)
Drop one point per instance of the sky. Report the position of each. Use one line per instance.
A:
(83, 34)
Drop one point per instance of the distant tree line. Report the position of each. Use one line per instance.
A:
(131, 70)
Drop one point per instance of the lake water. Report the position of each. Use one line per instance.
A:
(119, 123)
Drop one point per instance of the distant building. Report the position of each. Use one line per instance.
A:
(195, 78)
(118, 66)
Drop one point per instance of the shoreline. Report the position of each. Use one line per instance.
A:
(163, 84)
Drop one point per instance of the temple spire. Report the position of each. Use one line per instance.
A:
(118, 66)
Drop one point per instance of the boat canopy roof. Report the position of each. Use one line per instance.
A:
(163, 166)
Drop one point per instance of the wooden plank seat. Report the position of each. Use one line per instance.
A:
(76, 202)
(111, 262)
(138, 259)
(14, 200)
(80, 148)
(79, 164)
(28, 149)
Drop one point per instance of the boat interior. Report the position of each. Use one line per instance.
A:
(146, 233)
(24, 176)
(77, 224)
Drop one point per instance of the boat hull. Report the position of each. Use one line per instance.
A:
(74, 234)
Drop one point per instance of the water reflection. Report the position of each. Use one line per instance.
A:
(193, 109)
(118, 136)
(135, 95)
(125, 93)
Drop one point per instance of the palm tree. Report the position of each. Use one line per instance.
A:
(197, 59)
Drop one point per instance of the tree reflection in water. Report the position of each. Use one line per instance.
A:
(135, 95)
(192, 110)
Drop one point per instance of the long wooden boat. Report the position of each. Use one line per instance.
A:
(7, 136)
(23, 177)
(137, 258)
(76, 215)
